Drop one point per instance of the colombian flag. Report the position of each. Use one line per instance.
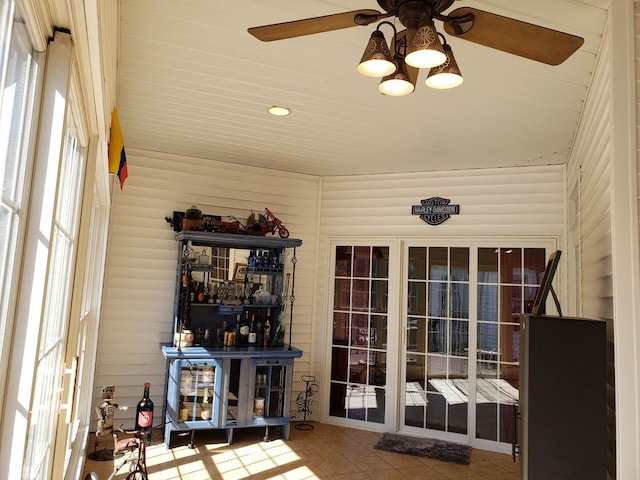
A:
(117, 157)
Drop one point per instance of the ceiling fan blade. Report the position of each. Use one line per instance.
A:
(512, 36)
(309, 26)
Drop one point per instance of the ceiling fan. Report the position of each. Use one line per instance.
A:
(507, 34)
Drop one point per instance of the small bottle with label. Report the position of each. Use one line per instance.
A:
(259, 330)
(244, 329)
(251, 260)
(253, 334)
(267, 329)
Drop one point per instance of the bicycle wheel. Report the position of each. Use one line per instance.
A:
(91, 476)
(136, 475)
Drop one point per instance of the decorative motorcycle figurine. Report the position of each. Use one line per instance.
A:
(267, 223)
(273, 224)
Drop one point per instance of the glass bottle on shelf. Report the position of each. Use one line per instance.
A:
(259, 330)
(207, 373)
(211, 292)
(249, 293)
(244, 329)
(236, 331)
(253, 335)
(251, 260)
(245, 290)
(265, 260)
(267, 329)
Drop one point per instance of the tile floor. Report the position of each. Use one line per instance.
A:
(326, 452)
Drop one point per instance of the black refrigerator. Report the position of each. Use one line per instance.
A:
(563, 398)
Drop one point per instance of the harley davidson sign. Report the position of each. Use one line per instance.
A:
(435, 210)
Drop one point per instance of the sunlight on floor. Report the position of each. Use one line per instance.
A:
(324, 453)
(253, 460)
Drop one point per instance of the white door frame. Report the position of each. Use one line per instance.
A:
(549, 243)
(397, 325)
(391, 406)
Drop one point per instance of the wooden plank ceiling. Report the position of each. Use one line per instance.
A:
(193, 82)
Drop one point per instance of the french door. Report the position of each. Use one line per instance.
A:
(452, 318)
(361, 333)
(436, 347)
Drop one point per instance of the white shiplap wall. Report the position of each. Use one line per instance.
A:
(137, 313)
(506, 202)
(589, 168)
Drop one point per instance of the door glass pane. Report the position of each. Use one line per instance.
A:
(417, 298)
(340, 328)
(507, 283)
(510, 265)
(378, 350)
(359, 351)
(360, 299)
(339, 364)
(487, 265)
(344, 258)
(460, 264)
(438, 301)
(359, 330)
(361, 261)
(533, 257)
(438, 264)
(342, 296)
(379, 289)
(380, 262)
(417, 263)
(436, 360)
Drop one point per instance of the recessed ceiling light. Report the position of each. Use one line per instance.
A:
(279, 111)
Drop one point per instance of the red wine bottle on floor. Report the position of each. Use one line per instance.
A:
(144, 411)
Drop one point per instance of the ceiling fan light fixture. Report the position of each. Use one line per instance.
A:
(398, 83)
(446, 75)
(376, 60)
(425, 50)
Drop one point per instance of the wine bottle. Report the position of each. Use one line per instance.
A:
(265, 260)
(144, 411)
(251, 260)
(267, 329)
(253, 336)
(244, 329)
(259, 329)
